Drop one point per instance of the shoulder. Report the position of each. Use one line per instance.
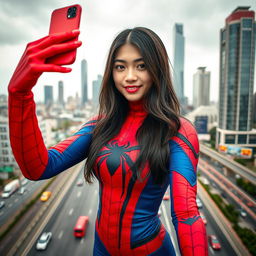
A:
(187, 129)
(91, 121)
(187, 137)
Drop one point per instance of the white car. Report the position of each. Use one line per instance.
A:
(199, 203)
(243, 213)
(43, 241)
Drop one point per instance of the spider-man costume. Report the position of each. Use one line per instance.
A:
(127, 221)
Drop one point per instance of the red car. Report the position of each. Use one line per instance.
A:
(214, 242)
(166, 197)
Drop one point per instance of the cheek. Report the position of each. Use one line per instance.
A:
(116, 79)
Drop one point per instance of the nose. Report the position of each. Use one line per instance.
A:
(131, 75)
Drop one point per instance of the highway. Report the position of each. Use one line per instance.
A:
(16, 201)
(83, 200)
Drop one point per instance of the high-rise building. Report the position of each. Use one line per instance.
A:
(178, 61)
(60, 93)
(254, 109)
(201, 87)
(48, 95)
(84, 81)
(237, 60)
(96, 84)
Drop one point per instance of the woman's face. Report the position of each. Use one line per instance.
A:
(130, 75)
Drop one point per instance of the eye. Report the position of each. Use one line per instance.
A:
(119, 67)
(141, 66)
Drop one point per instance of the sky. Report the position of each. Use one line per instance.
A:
(28, 20)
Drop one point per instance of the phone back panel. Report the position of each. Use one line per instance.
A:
(60, 23)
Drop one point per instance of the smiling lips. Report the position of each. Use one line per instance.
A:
(132, 88)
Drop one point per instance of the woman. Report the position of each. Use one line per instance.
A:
(136, 147)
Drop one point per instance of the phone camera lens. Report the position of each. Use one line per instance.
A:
(71, 12)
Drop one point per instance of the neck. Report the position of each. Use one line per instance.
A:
(137, 107)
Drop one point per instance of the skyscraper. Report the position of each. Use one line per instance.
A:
(96, 84)
(48, 95)
(84, 85)
(237, 59)
(60, 93)
(178, 61)
(201, 87)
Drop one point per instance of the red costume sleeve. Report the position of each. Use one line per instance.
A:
(190, 229)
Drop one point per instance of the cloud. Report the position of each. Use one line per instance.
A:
(21, 20)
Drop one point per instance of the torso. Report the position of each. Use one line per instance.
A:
(127, 215)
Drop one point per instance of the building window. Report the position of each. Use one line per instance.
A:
(230, 139)
(4, 144)
(2, 129)
(5, 152)
(3, 137)
(252, 139)
(247, 23)
(242, 139)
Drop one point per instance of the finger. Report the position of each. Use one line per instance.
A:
(38, 41)
(50, 68)
(57, 38)
(57, 49)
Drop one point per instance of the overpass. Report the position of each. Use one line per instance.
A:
(230, 164)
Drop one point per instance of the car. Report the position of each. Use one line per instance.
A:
(43, 241)
(2, 204)
(22, 190)
(81, 226)
(45, 196)
(214, 242)
(243, 213)
(166, 197)
(80, 182)
(250, 204)
(203, 218)
(199, 203)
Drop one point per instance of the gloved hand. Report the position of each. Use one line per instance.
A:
(33, 61)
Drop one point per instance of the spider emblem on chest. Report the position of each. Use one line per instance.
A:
(116, 155)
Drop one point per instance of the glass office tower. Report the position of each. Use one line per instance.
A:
(237, 59)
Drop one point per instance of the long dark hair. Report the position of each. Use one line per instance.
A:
(161, 103)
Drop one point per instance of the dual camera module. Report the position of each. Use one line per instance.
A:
(71, 12)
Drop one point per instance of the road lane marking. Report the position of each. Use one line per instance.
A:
(10, 205)
(1, 213)
(82, 241)
(60, 234)
(166, 218)
(90, 211)
(95, 191)
(212, 251)
(71, 211)
(79, 194)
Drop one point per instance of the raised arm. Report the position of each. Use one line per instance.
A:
(190, 229)
(25, 136)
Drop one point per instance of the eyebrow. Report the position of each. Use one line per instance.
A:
(124, 61)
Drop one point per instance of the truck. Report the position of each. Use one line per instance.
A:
(10, 188)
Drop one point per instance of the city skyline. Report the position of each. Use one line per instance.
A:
(202, 24)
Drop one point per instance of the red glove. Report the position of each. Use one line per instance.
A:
(32, 63)
(25, 136)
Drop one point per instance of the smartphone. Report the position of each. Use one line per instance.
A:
(62, 20)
